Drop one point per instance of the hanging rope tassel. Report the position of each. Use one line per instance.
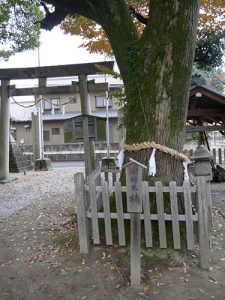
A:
(186, 176)
(152, 164)
(120, 158)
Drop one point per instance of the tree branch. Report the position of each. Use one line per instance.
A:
(115, 18)
(54, 18)
(113, 15)
(138, 16)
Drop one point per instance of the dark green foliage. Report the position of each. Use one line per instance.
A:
(17, 29)
(210, 50)
(209, 77)
(218, 174)
(194, 136)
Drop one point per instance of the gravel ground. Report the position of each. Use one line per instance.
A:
(33, 186)
(39, 253)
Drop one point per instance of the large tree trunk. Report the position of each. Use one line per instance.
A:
(156, 69)
(159, 80)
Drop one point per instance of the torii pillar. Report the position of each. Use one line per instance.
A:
(4, 131)
(89, 150)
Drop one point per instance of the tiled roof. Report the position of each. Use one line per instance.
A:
(207, 88)
(68, 115)
(60, 116)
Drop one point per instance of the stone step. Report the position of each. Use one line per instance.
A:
(15, 153)
(19, 158)
(20, 164)
(19, 170)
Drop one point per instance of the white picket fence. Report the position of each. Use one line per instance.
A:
(93, 203)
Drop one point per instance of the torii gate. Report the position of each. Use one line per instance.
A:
(42, 73)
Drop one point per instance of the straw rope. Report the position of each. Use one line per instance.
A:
(148, 145)
(37, 101)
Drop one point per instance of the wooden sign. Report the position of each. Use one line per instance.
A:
(134, 194)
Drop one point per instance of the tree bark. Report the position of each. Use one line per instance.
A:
(159, 88)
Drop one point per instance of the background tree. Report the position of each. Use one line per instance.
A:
(212, 78)
(210, 49)
(212, 16)
(95, 38)
(17, 29)
(210, 35)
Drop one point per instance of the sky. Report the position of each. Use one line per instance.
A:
(56, 48)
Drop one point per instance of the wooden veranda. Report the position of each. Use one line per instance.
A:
(206, 110)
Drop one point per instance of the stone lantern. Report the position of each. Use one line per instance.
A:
(203, 168)
(202, 159)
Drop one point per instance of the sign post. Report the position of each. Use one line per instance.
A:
(134, 206)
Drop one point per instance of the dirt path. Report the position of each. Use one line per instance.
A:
(39, 256)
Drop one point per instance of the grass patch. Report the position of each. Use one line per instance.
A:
(65, 238)
(70, 212)
(163, 258)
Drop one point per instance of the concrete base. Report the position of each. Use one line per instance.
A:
(7, 180)
(108, 163)
(43, 164)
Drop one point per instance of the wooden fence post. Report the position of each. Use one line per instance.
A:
(81, 212)
(135, 249)
(203, 226)
(94, 209)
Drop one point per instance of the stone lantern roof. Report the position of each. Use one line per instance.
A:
(201, 153)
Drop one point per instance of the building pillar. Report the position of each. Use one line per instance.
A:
(4, 131)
